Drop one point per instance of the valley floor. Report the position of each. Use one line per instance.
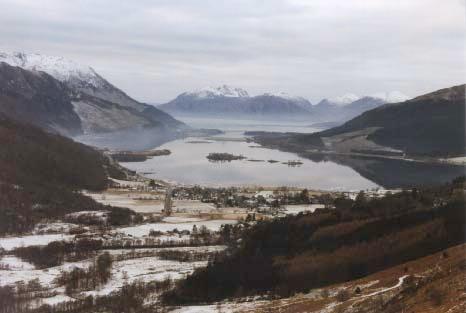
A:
(432, 284)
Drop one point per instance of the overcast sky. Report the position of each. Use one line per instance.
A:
(155, 50)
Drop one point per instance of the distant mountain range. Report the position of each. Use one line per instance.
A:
(429, 125)
(69, 98)
(343, 108)
(226, 101)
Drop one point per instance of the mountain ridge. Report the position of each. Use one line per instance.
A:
(100, 106)
(236, 102)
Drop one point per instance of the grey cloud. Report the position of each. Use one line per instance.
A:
(157, 49)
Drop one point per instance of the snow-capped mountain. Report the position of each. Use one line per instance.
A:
(221, 91)
(76, 76)
(228, 101)
(101, 107)
(386, 97)
(60, 68)
(391, 97)
(345, 107)
(344, 99)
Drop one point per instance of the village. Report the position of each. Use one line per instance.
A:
(158, 198)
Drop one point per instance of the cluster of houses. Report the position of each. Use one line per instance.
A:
(261, 200)
(371, 193)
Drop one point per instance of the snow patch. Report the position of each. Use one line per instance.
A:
(391, 96)
(344, 99)
(221, 91)
(60, 68)
(15, 263)
(293, 209)
(144, 229)
(10, 243)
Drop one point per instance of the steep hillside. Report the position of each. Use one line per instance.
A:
(431, 284)
(432, 124)
(40, 172)
(429, 125)
(37, 98)
(100, 106)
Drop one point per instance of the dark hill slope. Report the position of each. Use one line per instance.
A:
(37, 98)
(432, 124)
(40, 173)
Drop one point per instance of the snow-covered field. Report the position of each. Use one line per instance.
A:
(149, 202)
(56, 227)
(130, 270)
(9, 243)
(457, 160)
(144, 229)
(181, 219)
(141, 202)
(15, 264)
(45, 276)
(296, 208)
(145, 269)
(193, 206)
(129, 265)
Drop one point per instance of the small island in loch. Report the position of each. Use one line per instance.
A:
(137, 156)
(224, 157)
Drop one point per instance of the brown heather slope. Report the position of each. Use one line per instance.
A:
(432, 284)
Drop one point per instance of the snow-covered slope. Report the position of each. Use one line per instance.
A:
(60, 68)
(344, 99)
(386, 97)
(391, 96)
(343, 108)
(221, 91)
(76, 76)
(283, 95)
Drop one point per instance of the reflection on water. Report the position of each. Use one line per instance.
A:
(235, 126)
(136, 139)
(188, 164)
(391, 173)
